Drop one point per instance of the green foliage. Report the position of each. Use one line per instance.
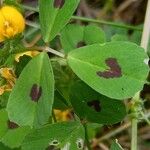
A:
(67, 135)
(116, 146)
(89, 81)
(33, 100)
(96, 108)
(119, 37)
(113, 79)
(9, 130)
(54, 18)
(74, 36)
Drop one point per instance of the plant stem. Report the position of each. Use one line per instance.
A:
(118, 130)
(136, 106)
(32, 24)
(48, 49)
(1, 3)
(86, 137)
(146, 30)
(106, 23)
(90, 20)
(30, 8)
(134, 123)
(144, 44)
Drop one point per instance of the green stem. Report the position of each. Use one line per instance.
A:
(91, 20)
(32, 24)
(136, 106)
(134, 123)
(50, 50)
(30, 8)
(86, 137)
(106, 23)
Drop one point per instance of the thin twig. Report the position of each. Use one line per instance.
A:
(116, 131)
(50, 50)
(34, 41)
(104, 147)
(112, 133)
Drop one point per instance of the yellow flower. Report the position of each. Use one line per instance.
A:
(62, 115)
(9, 75)
(28, 53)
(11, 22)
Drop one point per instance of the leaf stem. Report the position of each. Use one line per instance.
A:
(89, 20)
(32, 24)
(48, 49)
(26, 7)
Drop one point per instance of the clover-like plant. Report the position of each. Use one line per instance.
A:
(48, 97)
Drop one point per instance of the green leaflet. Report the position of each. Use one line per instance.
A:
(94, 107)
(74, 36)
(116, 146)
(9, 131)
(54, 15)
(66, 135)
(114, 69)
(30, 102)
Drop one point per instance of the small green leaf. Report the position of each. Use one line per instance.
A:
(3, 147)
(94, 34)
(119, 37)
(71, 35)
(67, 135)
(94, 107)
(9, 130)
(30, 102)
(74, 36)
(23, 60)
(54, 15)
(59, 101)
(114, 69)
(116, 146)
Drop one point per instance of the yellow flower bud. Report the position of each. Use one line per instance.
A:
(11, 22)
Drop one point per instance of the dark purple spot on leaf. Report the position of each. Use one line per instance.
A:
(36, 92)
(59, 3)
(113, 72)
(81, 44)
(12, 125)
(95, 104)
